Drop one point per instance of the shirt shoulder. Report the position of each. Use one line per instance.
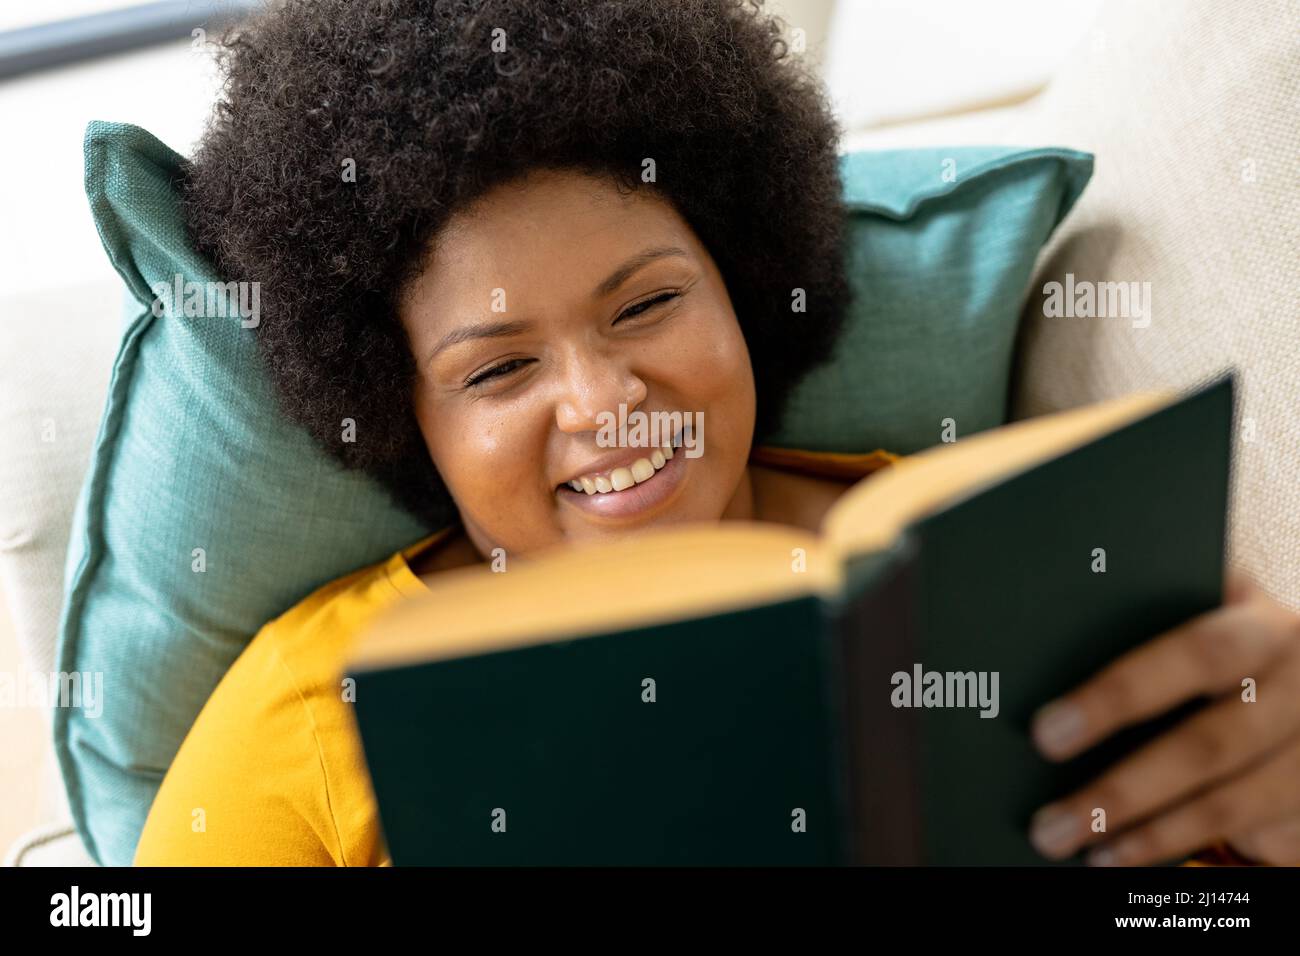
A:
(272, 772)
(840, 466)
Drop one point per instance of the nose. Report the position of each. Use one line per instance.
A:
(596, 382)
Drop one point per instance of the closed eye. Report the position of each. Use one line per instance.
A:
(645, 306)
(508, 366)
(496, 371)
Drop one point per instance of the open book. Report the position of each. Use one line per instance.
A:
(751, 693)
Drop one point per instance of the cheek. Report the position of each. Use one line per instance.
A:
(478, 451)
(711, 368)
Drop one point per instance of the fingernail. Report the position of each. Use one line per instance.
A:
(1103, 856)
(1057, 728)
(1054, 832)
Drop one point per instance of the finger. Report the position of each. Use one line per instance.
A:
(1211, 744)
(1238, 586)
(1273, 843)
(1265, 795)
(1206, 655)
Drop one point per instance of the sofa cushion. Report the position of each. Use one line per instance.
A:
(1190, 109)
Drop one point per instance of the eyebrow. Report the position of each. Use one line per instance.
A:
(479, 330)
(492, 330)
(638, 261)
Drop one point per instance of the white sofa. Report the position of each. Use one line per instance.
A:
(1190, 109)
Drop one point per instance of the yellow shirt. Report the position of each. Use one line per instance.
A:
(272, 773)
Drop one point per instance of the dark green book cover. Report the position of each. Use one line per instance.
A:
(773, 735)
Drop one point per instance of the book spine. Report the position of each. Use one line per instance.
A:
(874, 636)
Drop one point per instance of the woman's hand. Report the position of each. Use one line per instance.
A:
(1230, 771)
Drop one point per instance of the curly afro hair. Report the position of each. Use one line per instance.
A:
(422, 97)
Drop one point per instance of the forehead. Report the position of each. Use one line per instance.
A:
(552, 228)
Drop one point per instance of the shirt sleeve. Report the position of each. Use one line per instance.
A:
(248, 786)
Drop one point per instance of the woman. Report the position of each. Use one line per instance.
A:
(481, 226)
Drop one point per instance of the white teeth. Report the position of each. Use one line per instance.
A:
(623, 478)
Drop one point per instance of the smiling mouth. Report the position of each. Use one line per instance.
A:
(637, 499)
(618, 480)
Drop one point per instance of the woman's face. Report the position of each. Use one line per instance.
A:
(550, 301)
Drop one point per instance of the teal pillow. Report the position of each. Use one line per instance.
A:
(191, 454)
(941, 251)
(195, 468)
